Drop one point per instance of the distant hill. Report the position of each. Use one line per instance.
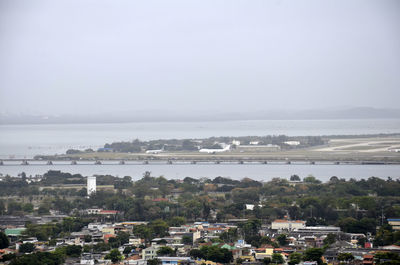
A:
(181, 116)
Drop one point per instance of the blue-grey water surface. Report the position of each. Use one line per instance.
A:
(235, 171)
(24, 141)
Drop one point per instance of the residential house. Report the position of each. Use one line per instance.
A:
(368, 259)
(176, 261)
(265, 251)
(395, 223)
(150, 252)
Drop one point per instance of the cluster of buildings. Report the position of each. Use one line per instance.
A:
(252, 146)
(184, 238)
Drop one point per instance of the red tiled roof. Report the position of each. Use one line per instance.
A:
(266, 246)
(287, 248)
(108, 212)
(285, 221)
(160, 200)
(134, 257)
(214, 228)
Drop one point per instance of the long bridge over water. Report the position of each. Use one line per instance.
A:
(248, 161)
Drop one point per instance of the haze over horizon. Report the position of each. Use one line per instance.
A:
(74, 57)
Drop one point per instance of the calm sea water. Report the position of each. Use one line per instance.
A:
(25, 141)
(235, 171)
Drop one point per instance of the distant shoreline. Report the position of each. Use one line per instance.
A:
(185, 121)
(358, 149)
(359, 113)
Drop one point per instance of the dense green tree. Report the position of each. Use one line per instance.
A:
(128, 250)
(114, 242)
(143, 231)
(4, 242)
(101, 246)
(114, 255)
(311, 179)
(39, 258)
(334, 179)
(213, 253)
(27, 207)
(246, 195)
(196, 253)
(352, 225)
(229, 236)
(277, 258)
(266, 260)
(187, 240)
(361, 241)
(14, 207)
(345, 257)
(177, 221)
(193, 209)
(313, 254)
(294, 258)
(44, 209)
(250, 230)
(123, 237)
(265, 240)
(87, 248)
(27, 248)
(317, 203)
(165, 251)
(2, 207)
(159, 228)
(221, 255)
(386, 236)
(387, 258)
(87, 238)
(295, 178)
(282, 239)
(153, 262)
(330, 239)
(73, 250)
(8, 257)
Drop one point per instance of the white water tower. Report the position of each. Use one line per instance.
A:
(91, 185)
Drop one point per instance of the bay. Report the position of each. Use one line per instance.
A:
(254, 171)
(26, 141)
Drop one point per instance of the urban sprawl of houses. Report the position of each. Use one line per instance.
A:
(97, 236)
(182, 239)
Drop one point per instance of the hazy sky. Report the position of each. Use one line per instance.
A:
(87, 56)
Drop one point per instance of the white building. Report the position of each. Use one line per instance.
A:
(135, 241)
(292, 143)
(135, 262)
(150, 252)
(287, 224)
(251, 206)
(91, 185)
(236, 142)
